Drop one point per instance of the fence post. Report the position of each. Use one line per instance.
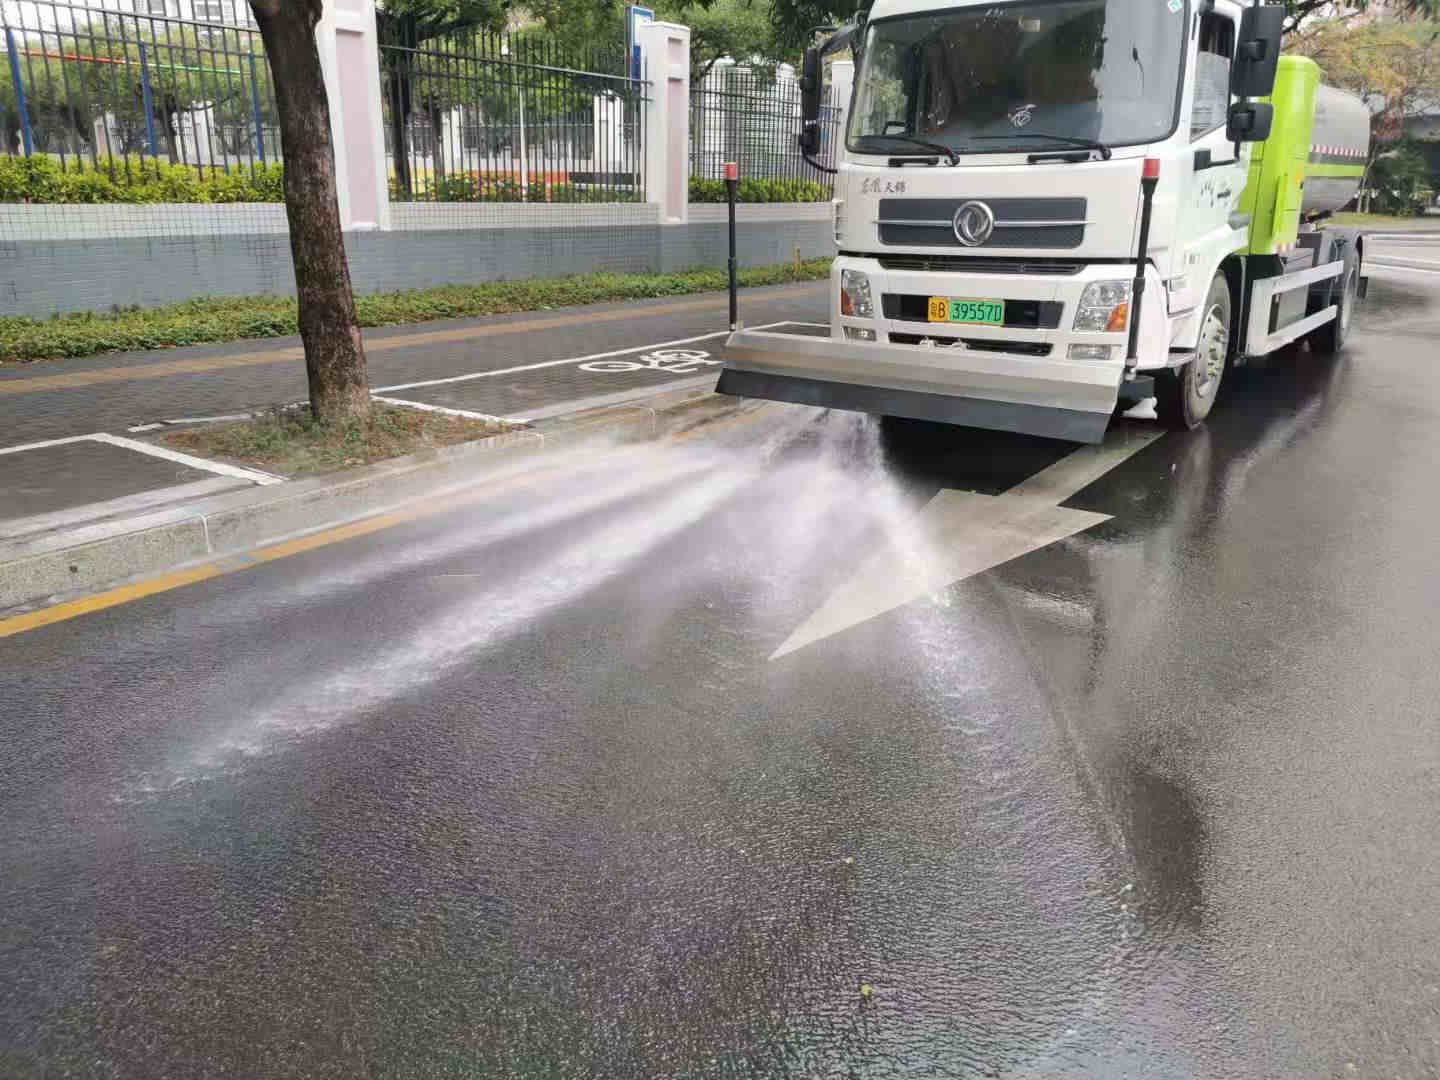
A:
(665, 59)
(350, 57)
(255, 109)
(27, 140)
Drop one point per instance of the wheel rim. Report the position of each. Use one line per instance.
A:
(1346, 304)
(1210, 356)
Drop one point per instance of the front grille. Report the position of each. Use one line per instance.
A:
(939, 264)
(1019, 314)
(929, 222)
(1022, 348)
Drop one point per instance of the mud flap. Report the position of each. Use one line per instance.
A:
(1000, 391)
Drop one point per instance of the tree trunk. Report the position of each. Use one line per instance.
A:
(437, 138)
(334, 356)
(398, 94)
(168, 112)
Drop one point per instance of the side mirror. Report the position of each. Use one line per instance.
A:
(811, 76)
(1249, 121)
(1257, 52)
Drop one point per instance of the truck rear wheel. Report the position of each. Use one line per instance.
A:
(1185, 395)
(1330, 338)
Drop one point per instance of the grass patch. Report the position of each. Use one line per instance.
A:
(198, 322)
(292, 442)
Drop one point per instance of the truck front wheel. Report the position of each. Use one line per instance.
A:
(1186, 394)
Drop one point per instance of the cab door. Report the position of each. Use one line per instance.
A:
(1210, 226)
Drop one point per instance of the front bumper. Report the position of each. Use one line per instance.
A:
(1058, 399)
(1016, 377)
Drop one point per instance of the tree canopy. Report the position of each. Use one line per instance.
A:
(1393, 63)
(746, 30)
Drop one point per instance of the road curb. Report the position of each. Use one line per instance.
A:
(38, 571)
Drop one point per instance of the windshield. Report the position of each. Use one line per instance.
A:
(976, 78)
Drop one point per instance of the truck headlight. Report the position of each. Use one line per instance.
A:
(855, 295)
(1104, 307)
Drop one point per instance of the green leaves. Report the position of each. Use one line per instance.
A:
(759, 191)
(41, 179)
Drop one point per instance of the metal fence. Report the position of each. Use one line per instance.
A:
(481, 117)
(753, 118)
(120, 91)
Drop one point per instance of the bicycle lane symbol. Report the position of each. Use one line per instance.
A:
(673, 361)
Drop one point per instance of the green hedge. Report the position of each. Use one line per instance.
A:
(468, 187)
(759, 191)
(42, 180)
(235, 318)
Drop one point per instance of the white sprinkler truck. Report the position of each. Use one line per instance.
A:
(1049, 209)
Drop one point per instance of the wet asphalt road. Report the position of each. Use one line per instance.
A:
(517, 789)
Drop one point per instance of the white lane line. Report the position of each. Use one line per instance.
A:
(1400, 269)
(44, 443)
(255, 476)
(448, 412)
(620, 397)
(145, 427)
(568, 360)
(959, 534)
(210, 419)
(1404, 262)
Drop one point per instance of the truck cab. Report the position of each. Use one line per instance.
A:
(1040, 214)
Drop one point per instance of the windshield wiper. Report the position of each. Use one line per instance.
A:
(932, 147)
(1066, 140)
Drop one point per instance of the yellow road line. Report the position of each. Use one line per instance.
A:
(229, 564)
(33, 620)
(290, 354)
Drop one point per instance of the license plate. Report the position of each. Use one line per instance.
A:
(985, 312)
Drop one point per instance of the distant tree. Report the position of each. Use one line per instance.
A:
(406, 27)
(1299, 13)
(334, 355)
(744, 30)
(795, 20)
(98, 71)
(1402, 181)
(1394, 64)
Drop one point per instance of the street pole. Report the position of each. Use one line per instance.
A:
(732, 181)
(26, 139)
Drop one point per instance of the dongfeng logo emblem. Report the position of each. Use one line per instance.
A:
(1021, 115)
(973, 223)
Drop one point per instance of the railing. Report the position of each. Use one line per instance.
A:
(753, 118)
(479, 117)
(123, 91)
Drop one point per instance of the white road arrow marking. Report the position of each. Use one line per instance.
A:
(960, 534)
